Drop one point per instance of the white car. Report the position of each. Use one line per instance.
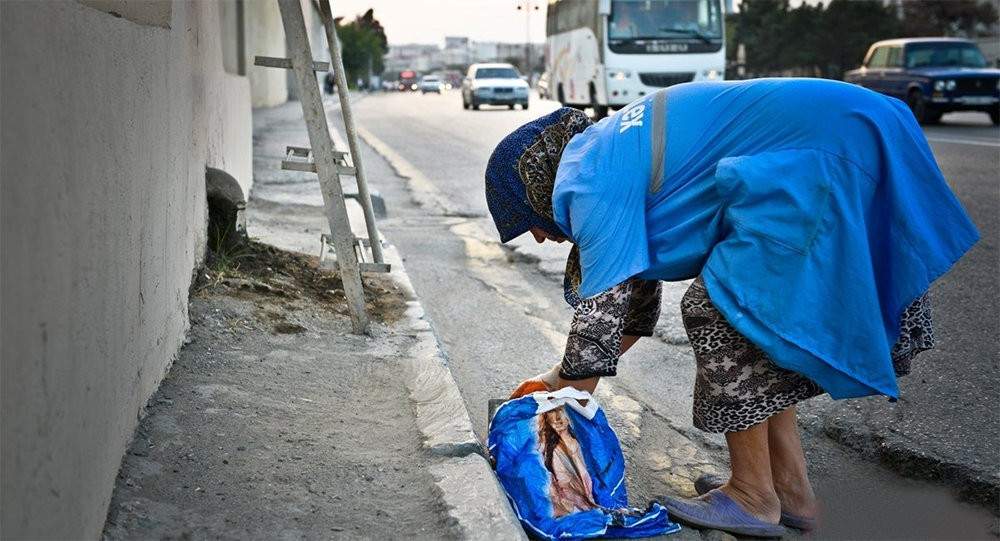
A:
(494, 84)
(429, 83)
(543, 86)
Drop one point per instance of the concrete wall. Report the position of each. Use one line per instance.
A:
(109, 119)
(265, 37)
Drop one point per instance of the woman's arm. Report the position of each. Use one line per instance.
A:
(604, 327)
(596, 338)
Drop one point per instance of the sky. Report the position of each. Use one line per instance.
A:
(429, 21)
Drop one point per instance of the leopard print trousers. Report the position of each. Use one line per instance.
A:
(738, 386)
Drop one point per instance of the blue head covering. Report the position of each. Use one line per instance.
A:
(521, 173)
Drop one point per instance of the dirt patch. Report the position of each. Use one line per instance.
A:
(275, 421)
(253, 268)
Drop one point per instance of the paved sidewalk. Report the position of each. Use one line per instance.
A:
(275, 422)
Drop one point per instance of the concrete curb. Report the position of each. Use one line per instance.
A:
(475, 500)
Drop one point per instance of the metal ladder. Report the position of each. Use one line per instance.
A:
(327, 162)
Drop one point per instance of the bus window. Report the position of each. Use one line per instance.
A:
(664, 19)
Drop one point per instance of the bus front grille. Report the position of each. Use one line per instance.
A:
(661, 80)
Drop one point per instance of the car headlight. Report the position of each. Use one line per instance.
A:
(618, 74)
(943, 84)
(711, 74)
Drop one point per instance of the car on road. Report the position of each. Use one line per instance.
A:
(407, 81)
(430, 83)
(932, 75)
(543, 86)
(493, 84)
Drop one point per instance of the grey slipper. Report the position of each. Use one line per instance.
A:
(717, 511)
(708, 481)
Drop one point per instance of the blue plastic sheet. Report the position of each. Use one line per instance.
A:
(562, 468)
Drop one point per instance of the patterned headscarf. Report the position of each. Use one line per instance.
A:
(521, 173)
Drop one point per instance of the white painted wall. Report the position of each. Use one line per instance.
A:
(265, 37)
(107, 126)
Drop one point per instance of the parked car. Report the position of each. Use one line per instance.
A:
(407, 81)
(543, 86)
(932, 75)
(430, 83)
(493, 84)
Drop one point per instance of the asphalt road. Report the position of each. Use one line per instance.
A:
(499, 316)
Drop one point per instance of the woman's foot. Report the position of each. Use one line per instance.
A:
(718, 511)
(762, 504)
(801, 516)
(799, 507)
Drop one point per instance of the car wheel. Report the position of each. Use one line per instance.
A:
(995, 116)
(511, 107)
(918, 106)
(524, 106)
(475, 105)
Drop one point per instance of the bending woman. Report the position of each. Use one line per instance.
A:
(810, 214)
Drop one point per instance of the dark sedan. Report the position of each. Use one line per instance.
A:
(932, 75)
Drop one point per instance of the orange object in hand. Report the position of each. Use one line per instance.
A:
(528, 387)
(545, 382)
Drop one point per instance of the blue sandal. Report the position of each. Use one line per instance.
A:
(707, 482)
(717, 511)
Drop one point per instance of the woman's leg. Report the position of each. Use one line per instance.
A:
(788, 465)
(750, 484)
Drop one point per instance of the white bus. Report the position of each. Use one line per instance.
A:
(606, 53)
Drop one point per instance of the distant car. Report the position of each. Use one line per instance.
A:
(430, 83)
(494, 84)
(407, 81)
(543, 86)
(932, 75)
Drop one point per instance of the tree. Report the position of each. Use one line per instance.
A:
(363, 46)
(810, 40)
(946, 17)
(850, 27)
(762, 29)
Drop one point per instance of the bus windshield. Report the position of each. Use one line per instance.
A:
(665, 20)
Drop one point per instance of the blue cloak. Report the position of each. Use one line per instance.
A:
(814, 210)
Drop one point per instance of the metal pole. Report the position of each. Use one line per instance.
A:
(527, 39)
(352, 136)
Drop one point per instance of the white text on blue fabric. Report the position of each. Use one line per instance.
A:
(632, 117)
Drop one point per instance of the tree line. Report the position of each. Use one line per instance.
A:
(827, 40)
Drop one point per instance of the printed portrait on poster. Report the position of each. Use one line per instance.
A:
(570, 488)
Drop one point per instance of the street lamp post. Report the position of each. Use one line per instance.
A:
(527, 6)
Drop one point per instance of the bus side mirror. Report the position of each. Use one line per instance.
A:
(604, 7)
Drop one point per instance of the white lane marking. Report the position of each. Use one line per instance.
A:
(964, 141)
